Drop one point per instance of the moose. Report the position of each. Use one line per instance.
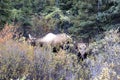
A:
(82, 50)
(56, 41)
(60, 41)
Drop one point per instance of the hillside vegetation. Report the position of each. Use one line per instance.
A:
(91, 22)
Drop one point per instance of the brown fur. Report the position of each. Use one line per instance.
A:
(62, 39)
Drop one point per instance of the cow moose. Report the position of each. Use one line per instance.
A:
(56, 41)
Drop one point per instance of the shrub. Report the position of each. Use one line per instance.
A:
(104, 63)
(22, 61)
(14, 62)
(7, 33)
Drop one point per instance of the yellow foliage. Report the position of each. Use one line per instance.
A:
(22, 47)
(7, 33)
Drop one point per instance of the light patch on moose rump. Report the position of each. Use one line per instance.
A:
(48, 38)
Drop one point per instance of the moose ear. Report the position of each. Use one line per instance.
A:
(30, 37)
